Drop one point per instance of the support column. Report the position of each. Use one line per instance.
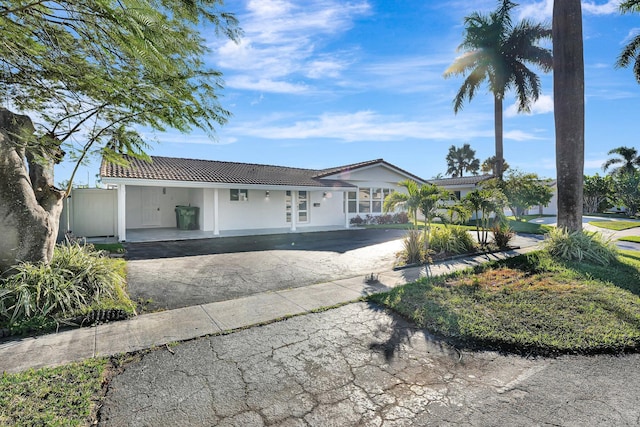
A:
(216, 217)
(294, 209)
(122, 212)
(345, 200)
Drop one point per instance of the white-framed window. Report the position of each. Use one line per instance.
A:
(239, 195)
(352, 201)
(376, 200)
(364, 205)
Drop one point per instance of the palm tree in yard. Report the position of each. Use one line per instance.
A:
(568, 100)
(631, 52)
(628, 161)
(408, 200)
(427, 198)
(496, 51)
(461, 160)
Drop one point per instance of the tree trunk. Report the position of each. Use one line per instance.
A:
(497, 104)
(568, 88)
(30, 205)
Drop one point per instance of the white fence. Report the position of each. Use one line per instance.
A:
(90, 212)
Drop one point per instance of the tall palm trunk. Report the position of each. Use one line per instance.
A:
(499, 133)
(568, 86)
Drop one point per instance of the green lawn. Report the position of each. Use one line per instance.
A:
(616, 225)
(63, 396)
(635, 239)
(530, 304)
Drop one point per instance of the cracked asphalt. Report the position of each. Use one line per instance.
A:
(177, 274)
(359, 365)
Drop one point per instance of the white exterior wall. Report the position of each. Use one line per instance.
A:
(262, 212)
(169, 198)
(90, 212)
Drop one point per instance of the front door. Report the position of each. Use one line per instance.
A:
(302, 204)
(151, 206)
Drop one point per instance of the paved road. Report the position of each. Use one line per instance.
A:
(359, 365)
(185, 273)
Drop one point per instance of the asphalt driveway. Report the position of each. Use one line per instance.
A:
(167, 275)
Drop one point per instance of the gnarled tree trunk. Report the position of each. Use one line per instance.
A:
(30, 205)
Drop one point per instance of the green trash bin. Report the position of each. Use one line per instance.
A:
(187, 217)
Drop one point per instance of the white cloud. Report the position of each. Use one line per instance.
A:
(372, 126)
(610, 7)
(543, 105)
(265, 85)
(282, 42)
(541, 11)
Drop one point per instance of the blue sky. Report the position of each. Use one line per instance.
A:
(317, 84)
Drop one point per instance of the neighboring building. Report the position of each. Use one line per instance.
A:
(460, 186)
(233, 197)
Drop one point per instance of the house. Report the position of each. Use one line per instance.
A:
(234, 198)
(461, 186)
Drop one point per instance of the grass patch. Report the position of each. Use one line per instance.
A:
(635, 239)
(62, 396)
(533, 303)
(114, 248)
(616, 225)
(529, 227)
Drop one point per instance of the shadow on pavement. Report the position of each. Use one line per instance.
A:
(332, 241)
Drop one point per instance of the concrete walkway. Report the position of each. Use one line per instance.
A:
(157, 329)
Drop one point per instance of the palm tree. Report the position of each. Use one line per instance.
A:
(484, 203)
(427, 198)
(628, 161)
(631, 51)
(462, 159)
(568, 101)
(408, 200)
(490, 164)
(497, 51)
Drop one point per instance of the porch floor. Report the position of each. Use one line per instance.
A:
(167, 234)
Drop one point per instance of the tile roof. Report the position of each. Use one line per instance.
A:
(193, 170)
(339, 169)
(462, 180)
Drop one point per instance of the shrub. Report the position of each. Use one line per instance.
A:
(77, 279)
(400, 218)
(356, 220)
(384, 219)
(502, 235)
(451, 240)
(580, 245)
(413, 247)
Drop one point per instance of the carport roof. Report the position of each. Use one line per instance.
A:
(211, 171)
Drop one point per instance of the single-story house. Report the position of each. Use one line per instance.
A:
(461, 186)
(230, 197)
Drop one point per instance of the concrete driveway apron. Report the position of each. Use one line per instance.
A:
(166, 275)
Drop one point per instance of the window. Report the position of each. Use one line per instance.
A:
(376, 200)
(239, 195)
(365, 200)
(351, 201)
(457, 195)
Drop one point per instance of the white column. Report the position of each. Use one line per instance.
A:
(345, 200)
(216, 222)
(122, 212)
(206, 211)
(294, 209)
